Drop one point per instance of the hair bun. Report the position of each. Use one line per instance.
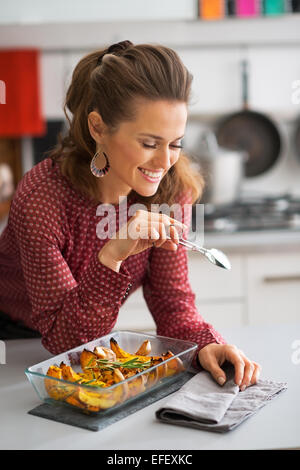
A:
(119, 46)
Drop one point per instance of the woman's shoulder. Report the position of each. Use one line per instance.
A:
(41, 189)
(42, 184)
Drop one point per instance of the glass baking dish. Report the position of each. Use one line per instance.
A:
(99, 399)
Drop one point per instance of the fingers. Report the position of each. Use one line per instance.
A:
(171, 231)
(169, 237)
(213, 356)
(146, 224)
(256, 373)
(233, 355)
(246, 371)
(251, 373)
(217, 373)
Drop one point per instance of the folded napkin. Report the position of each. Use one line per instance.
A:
(203, 404)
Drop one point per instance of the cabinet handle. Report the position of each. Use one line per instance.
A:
(287, 278)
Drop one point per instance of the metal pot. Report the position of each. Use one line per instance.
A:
(222, 169)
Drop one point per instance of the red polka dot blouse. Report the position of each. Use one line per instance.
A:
(52, 281)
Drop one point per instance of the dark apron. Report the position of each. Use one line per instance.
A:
(10, 329)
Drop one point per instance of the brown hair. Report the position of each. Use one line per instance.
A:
(110, 81)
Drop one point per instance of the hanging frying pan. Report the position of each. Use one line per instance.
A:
(252, 132)
(297, 138)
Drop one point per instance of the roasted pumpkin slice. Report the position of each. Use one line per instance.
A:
(123, 356)
(73, 400)
(144, 349)
(174, 366)
(88, 359)
(152, 378)
(119, 352)
(137, 385)
(54, 388)
(69, 374)
(99, 400)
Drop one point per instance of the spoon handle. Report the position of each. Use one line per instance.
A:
(191, 245)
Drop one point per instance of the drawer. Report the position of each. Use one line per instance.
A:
(273, 288)
(135, 318)
(222, 314)
(211, 282)
(136, 298)
(134, 314)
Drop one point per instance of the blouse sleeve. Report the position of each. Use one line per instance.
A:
(66, 312)
(170, 299)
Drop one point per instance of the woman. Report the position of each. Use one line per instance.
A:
(62, 279)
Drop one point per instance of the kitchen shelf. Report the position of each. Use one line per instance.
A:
(63, 37)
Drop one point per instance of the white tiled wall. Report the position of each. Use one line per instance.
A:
(52, 84)
(217, 78)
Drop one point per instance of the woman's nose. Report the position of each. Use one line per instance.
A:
(165, 158)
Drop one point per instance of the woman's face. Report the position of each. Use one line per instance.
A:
(142, 151)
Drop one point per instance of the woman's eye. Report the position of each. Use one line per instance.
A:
(149, 146)
(154, 146)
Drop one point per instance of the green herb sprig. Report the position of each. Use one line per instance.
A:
(133, 363)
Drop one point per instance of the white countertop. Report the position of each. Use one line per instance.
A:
(275, 426)
(254, 241)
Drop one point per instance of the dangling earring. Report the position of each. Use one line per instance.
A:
(96, 171)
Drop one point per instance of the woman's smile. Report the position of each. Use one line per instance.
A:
(152, 176)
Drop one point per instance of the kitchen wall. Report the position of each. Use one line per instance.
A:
(212, 50)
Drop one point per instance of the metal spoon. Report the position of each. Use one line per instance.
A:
(215, 256)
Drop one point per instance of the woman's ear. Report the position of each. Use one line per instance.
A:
(96, 126)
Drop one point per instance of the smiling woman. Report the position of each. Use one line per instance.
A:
(57, 276)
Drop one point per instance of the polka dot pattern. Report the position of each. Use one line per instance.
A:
(52, 281)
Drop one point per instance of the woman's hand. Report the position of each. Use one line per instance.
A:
(142, 231)
(213, 355)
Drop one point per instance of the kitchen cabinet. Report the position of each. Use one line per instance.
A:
(212, 283)
(260, 288)
(220, 294)
(273, 294)
(224, 313)
(219, 297)
(134, 314)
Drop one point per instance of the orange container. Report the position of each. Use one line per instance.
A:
(211, 9)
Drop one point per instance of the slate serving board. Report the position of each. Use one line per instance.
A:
(95, 422)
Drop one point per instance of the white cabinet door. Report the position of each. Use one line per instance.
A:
(274, 288)
(210, 282)
(222, 314)
(134, 314)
